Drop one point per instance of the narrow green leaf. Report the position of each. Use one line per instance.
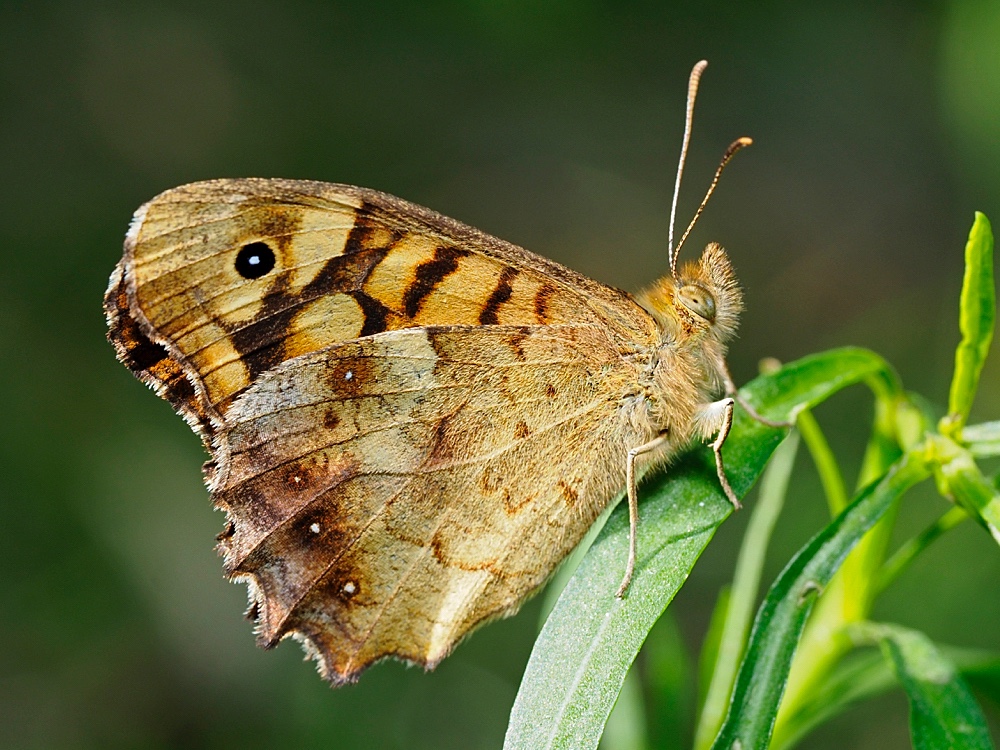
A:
(591, 638)
(865, 674)
(811, 380)
(783, 614)
(746, 583)
(977, 315)
(943, 713)
(848, 595)
(912, 547)
(710, 645)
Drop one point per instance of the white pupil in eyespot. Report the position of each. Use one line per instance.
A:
(255, 260)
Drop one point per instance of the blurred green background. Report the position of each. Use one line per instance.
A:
(554, 125)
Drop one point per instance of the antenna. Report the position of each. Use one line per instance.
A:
(693, 80)
(737, 145)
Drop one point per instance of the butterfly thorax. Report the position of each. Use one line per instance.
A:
(696, 313)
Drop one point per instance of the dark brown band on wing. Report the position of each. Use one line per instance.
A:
(501, 293)
(151, 362)
(261, 342)
(542, 302)
(429, 274)
(376, 314)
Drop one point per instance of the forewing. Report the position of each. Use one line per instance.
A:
(350, 263)
(386, 495)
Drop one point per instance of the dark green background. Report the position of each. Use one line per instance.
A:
(554, 125)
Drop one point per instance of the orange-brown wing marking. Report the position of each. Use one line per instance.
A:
(387, 495)
(150, 361)
(349, 263)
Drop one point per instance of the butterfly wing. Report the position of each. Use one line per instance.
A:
(411, 422)
(386, 495)
(347, 263)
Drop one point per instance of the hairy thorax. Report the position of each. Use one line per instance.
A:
(673, 382)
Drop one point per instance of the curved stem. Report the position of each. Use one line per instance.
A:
(909, 550)
(826, 462)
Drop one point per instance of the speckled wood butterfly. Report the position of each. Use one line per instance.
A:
(411, 422)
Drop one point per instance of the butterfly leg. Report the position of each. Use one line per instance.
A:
(717, 417)
(633, 505)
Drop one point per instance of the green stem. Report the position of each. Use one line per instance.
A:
(826, 462)
(909, 550)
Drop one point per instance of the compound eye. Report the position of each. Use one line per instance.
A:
(698, 301)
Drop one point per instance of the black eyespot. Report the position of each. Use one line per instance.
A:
(254, 260)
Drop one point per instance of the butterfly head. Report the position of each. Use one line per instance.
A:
(702, 301)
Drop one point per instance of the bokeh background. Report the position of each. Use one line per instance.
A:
(554, 125)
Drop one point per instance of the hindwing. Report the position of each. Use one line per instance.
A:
(388, 494)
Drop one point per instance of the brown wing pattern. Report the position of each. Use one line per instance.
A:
(386, 495)
(349, 263)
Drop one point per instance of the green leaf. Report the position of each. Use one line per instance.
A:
(782, 616)
(591, 638)
(743, 595)
(848, 595)
(809, 381)
(977, 315)
(853, 679)
(865, 674)
(943, 713)
(710, 645)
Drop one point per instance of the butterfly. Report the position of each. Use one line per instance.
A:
(410, 422)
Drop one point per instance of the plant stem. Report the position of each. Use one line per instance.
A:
(909, 550)
(826, 462)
